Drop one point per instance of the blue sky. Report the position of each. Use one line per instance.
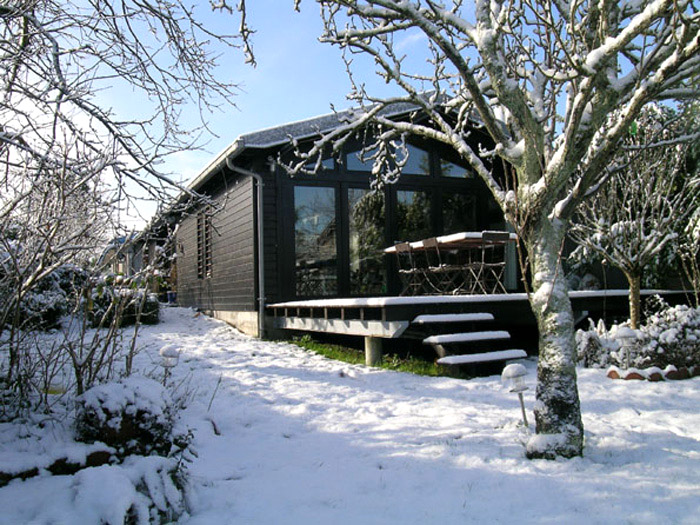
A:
(296, 78)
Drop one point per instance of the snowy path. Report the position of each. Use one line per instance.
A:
(304, 439)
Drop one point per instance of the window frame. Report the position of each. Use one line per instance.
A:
(342, 179)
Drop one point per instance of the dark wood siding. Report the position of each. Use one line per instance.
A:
(271, 220)
(231, 286)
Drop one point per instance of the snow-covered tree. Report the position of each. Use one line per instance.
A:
(690, 236)
(555, 85)
(640, 212)
(70, 153)
(690, 253)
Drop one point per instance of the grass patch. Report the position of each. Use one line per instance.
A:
(410, 364)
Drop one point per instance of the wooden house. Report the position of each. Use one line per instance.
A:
(268, 238)
(308, 253)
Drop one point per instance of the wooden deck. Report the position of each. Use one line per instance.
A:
(448, 323)
(512, 309)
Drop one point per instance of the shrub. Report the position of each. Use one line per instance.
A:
(110, 297)
(672, 337)
(134, 415)
(669, 337)
(594, 349)
(51, 297)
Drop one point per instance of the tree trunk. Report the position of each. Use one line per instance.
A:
(634, 281)
(559, 429)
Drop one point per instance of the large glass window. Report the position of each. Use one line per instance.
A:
(367, 222)
(413, 215)
(458, 212)
(418, 162)
(316, 259)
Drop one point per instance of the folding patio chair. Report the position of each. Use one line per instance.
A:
(442, 277)
(410, 274)
(493, 261)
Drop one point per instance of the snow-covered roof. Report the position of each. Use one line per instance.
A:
(285, 133)
(304, 129)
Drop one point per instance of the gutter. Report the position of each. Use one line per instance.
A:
(261, 254)
(230, 152)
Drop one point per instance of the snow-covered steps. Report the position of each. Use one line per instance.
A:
(466, 337)
(452, 318)
(483, 357)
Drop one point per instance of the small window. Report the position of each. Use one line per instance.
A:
(326, 165)
(417, 163)
(450, 169)
(356, 161)
(204, 251)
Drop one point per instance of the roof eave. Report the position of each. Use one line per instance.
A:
(230, 152)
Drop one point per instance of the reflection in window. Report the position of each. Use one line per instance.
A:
(367, 219)
(413, 215)
(357, 161)
(326, 165)
(418, 162)
(458, 212)
(315, 241)
(450, 169)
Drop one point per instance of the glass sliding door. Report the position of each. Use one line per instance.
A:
(366, 240)
(458, 212)
(315, 230)
(413, 212)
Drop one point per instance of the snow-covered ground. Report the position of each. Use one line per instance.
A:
(285, 436)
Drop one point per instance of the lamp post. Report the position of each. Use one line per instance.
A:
(627, 338)
(170, 356)
(513, 376)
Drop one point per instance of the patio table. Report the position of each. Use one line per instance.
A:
(454, 264)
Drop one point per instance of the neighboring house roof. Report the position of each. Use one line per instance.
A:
(115, 246)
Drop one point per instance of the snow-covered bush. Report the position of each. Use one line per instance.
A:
(141, 490)
(111, 297)
(668, 337)
(134, 415)
(672, 337)
(50, 298)
(595, 349)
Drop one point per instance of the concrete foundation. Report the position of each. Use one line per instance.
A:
(246, 322)
(373, 351)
